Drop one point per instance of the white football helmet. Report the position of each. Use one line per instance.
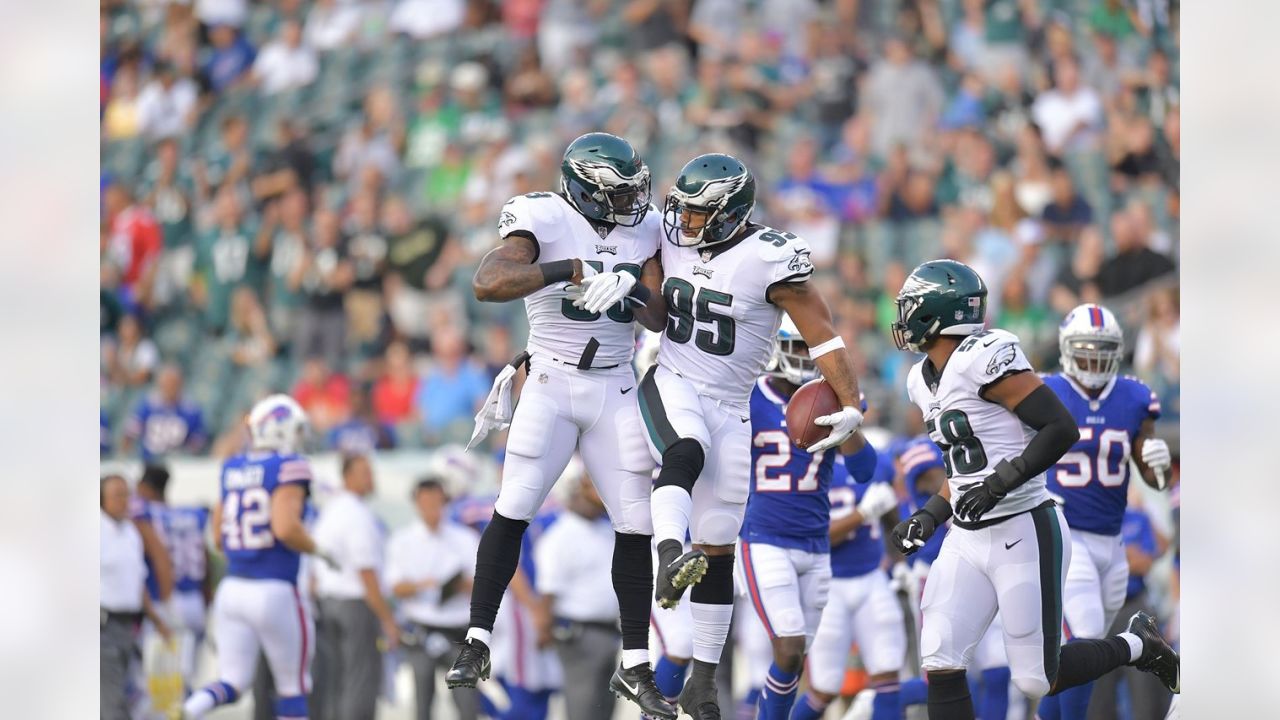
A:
(791, 361)
(1091, 344)
(458, 469)
(278, 423)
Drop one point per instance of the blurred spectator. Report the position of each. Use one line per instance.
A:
(1069, 115)
(1134, 263)
(902, 95)
(1067, 213)
(327, 274)
(529, 85)
(395, 391)
(367, 250)
(1156, 93)
(651, 24)
(249, 334)
(1021, 316)
(165, 421)
(565, 29)
(421, 258)
(1075, 283)
(227, 163)
(167, 105)
(324, 394)
(363, 432)
(453, 386)
(167, 191)
(130, 359)
(1116, 18)
(232, 13)
(374, 144)
(224, 260)
(1132, 154)
(1157, 351)
(331, 24)
(122, 118)
(230, 58)
(286, 225)
(716, 25)
(423, 19)
(289, 164)
(286, 63)
(134, 243)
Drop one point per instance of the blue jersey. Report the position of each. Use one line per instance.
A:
(248, 481)
(1093, 478)
(181, 529)
(917, 456)
(862, 550)
(1136, 530)
(359, 437)
(477, 511)
(160, 428)
(788, 506)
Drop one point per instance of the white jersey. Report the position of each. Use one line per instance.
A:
(556, 327)
(721, 325)
(980, 433)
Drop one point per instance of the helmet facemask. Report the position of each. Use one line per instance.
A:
(791, 361)
(691, 221)
(1092, 361)
(907, 333)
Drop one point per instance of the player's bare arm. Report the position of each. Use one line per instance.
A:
(508, 272)
(215, 522)
(1147, 431)
(286, 518)
(653, 314)
(156, 552)
(812, 317)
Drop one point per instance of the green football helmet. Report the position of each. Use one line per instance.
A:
(604, 178)
(715, 188)
(941, 297)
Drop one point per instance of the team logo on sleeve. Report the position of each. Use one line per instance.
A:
(800, 263)
(506, 219)
(1002, 359)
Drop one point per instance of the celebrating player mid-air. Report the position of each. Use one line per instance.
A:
(257, 607)
(1000, 428)
(1116, 416)
(578, 393)
(727, 282)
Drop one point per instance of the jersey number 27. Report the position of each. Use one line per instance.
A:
(780, 458)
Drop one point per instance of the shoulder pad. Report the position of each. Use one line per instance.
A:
(988, 355)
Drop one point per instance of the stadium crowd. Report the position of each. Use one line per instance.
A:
(295, 193)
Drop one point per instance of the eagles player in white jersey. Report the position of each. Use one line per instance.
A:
(585, 262)
(727, 282)
(999, 428)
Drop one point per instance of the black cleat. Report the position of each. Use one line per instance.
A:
(698, 699)
(1157, 657)
(637, 685)
(674, 577)
(471, 667)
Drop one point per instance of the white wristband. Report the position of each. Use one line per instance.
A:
(821, 349)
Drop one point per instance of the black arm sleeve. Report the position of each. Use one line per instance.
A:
(1056, 432)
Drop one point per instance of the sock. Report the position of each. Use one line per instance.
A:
(749, 707)
(1073, 703)
(671, 506)
(886, 705)
(209, 697)
(779, 694)
(669, 676)
(949, 696)
(496, 562)
(711, 604)
(1082, 661)
(1049, 708)
(633, 584)
(291, 708)
(480, 634)
(1135, 645)
(912, 692)
(994, 703)
(809, 707)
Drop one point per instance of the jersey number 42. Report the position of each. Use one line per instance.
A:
(246, 519)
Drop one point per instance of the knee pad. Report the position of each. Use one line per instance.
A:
(292, 707)
(681, 464)
(718, 526)
(1033, 686)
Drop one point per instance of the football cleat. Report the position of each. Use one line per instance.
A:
(637, 685)
(1157, 657)
(698, 699)
(471, 667)
(674, 577)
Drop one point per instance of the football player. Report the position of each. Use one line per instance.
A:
(579, 388)
(999, 428)
(786, 542)
(1116, 417)
(727, 283)
(259, 528)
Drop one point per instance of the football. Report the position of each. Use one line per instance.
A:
(813, 400)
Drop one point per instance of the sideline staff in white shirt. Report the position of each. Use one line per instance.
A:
(352, 608)
(430, 566)
(573, 559)
(122, 596)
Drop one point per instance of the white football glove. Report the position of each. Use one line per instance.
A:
(1156, 455)
(603, 290)
(328, 559)
(843, 424)
(496, 412)
(903, 578)
(878, 500)
(575, 291)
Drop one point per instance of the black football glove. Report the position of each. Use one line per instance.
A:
(911, 534)
(978, 499)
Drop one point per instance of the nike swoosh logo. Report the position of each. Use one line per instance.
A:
(745, 419)
(988, 343)
(633, 690)
(633, 387)
(1009, 546)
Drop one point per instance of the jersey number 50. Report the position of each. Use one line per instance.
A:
(246, 519)
(1077, 468)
